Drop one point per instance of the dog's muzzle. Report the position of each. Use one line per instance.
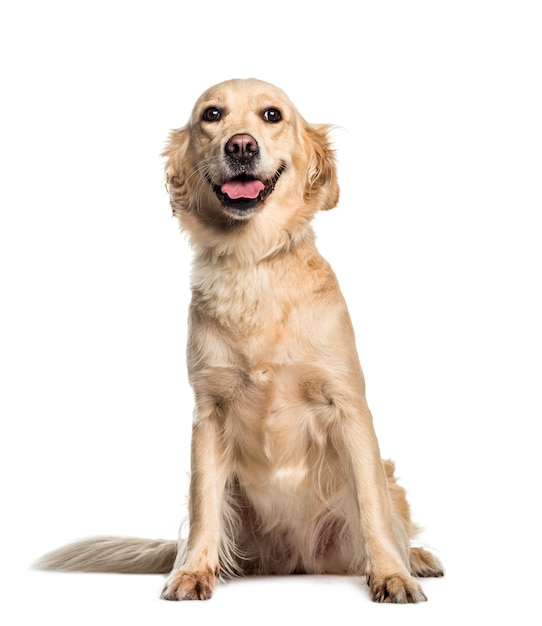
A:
(244, 190)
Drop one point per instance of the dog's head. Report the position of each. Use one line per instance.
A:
(247, 156)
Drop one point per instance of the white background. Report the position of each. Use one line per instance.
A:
(436, 243)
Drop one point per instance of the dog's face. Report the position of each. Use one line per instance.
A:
(243, 138)
(247, 152)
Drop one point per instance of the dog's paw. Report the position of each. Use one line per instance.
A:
(396, 588)
(423, 563)
(185, 585)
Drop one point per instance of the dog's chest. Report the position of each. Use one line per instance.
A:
(240, 299)
(265, 359)
(251, 298)
(278, 434)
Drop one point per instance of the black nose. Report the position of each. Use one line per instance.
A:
(242, 147)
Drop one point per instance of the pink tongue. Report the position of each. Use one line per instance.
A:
(242, 188)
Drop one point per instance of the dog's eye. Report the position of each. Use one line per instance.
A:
(212, 114)
(272, 115)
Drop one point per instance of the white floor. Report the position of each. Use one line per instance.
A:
(67, 599)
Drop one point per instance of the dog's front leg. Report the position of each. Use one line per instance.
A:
(386, 540)
(196, 566)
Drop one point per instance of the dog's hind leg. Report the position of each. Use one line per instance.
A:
(424, 564)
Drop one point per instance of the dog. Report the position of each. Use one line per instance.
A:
(286, 472)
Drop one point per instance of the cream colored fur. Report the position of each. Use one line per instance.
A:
(286, 470)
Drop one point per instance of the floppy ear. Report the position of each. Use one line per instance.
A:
(321, 166)
(176, 168)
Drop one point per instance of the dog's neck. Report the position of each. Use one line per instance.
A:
(244, 290)
(238, 251)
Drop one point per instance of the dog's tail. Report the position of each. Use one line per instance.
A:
(123, 555)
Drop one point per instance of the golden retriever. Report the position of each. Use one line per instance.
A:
(286, 472)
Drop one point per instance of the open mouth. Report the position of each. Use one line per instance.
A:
(243, 193)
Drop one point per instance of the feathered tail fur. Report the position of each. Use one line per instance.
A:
(123, 555)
